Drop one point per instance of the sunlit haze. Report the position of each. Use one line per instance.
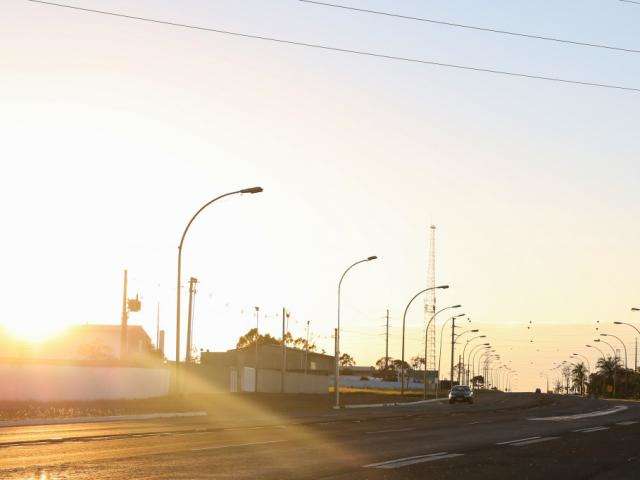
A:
(114, 132)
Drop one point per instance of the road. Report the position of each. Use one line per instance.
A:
(501, 436)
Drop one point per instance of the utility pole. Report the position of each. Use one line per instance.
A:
(158, 327)
(124, 320)
(386, 348)
(284, 350)
(635, 369)
(306, 350)
(459, 368)
(192, 292)
(453, 344)
(255, 377)
(335, 336)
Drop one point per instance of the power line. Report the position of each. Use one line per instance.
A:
(630, 1)
(344, 50)
(473, 27)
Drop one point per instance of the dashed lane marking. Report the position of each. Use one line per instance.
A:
(519, 440)
(532, 441)
(597, 413)
(627, 423)
(591, 429)
(220, 447)
(390, 431)
(403, 462)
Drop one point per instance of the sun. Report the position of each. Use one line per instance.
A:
(32, 332)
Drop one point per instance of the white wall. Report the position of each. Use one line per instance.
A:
(66, 382)
(354, 381)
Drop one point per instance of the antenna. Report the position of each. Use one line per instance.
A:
(430, 301)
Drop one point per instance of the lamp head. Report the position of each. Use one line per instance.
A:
(443, 286)
(373, 257)
(617, 323)
(251, 190)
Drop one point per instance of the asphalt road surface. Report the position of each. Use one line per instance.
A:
(501, 436)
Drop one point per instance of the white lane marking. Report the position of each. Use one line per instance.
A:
(597, 413)
(531, 442)
(219, 447)
(627, 423)
(391, 431)
(591, 429)
(519, 440)
(403, 462)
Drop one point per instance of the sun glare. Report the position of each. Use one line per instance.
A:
(32, 332)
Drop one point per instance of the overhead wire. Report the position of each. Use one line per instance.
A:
(474, 27)
(345, 50)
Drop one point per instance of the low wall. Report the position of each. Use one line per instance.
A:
(354, 381)
(45, 382)
(270, 381)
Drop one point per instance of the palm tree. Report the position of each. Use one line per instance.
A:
(609, 368)
(579, 376)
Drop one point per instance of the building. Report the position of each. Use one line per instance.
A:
(93, 343)
(235, 371)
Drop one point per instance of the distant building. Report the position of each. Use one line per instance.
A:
(95, 343)
(235, 370)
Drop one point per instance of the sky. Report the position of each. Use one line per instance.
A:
(114, 132)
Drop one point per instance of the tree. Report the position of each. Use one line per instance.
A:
(579, 377)
(249, 339)
(608, 368)
(566, 374)
(346, 360)
(384, 362)
(417, 362)
(477, 381)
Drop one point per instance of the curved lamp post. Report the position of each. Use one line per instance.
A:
(179, 273)
(464, 357)
(635, 328)
(440, 353)
(337, 339)
(426, 338)
(623, 345)
(585, 359)
(613, 350)
(455, 341)
(471, 359)
(593, 346)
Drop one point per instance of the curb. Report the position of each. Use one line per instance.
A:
(113, 418)
(395, 404)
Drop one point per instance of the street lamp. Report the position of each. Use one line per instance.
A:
(636, 329)
(610, 346)
(585, 358)
(440, 353)
(623, 346)
(179, 273)
(601, 352)
(426, 335)
(453, 342)
(337, 339)
(471, 359)
(404, 321)
(465, 349)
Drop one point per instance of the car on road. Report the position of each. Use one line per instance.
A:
(461, 393)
